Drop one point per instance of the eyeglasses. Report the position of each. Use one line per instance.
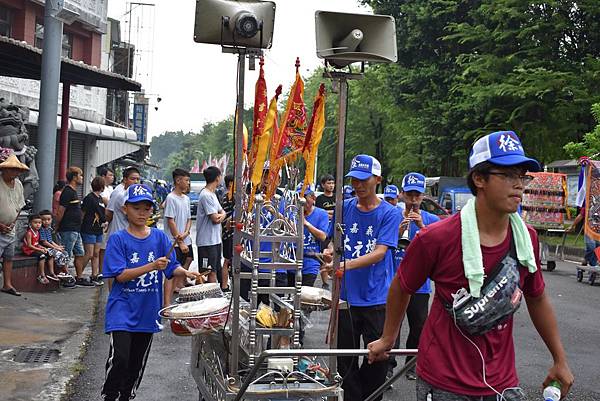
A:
(513, 177)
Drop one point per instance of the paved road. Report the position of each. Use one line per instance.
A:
(577, 306)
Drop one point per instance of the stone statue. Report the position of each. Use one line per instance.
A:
(13, 135)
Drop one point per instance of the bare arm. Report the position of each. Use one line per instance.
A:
(173, 227)
(318, 234)
(60, 212)
(217, 218)
(131, 274)
(397, 302)
(543, 318)
(108, 215)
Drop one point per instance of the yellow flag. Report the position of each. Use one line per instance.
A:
(264, 140)
(314, 135)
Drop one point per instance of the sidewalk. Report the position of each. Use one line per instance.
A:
(59, 320)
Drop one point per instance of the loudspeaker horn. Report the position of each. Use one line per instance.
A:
(247, 23)
(344, 38)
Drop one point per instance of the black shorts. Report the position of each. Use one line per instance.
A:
(212, 254)
(181, 257)
(228, 248)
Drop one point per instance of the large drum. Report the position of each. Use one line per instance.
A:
(198, 317)
(199, 292)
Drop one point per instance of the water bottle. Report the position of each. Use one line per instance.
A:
(552, 392)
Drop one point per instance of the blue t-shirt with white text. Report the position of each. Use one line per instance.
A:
(368, 286)
(320, 220)
(134, 305)
(428, 219)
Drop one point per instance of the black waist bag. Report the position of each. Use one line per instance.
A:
(500, 297)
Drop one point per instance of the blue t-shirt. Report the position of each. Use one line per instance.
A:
(134, 305)
(368, 286)
(320, 220)
(428, 219)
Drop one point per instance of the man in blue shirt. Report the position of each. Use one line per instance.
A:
(414, 219)
(371, 234)
(137, 258)
(316, 225)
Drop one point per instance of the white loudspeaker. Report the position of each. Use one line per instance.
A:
(344, 38)
(247, 23)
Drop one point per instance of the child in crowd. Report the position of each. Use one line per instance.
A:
(56, 251)
(32, 247)
(137, 258)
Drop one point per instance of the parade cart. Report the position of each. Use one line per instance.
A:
(246, 349)
(591, 182)
(226, 328)
(544, 208)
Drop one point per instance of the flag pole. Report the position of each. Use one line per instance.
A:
(239, 188)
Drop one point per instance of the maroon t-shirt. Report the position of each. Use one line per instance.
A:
(446, 359)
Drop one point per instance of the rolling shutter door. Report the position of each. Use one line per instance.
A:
(77, 155)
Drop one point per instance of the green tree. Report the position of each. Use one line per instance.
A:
(469, 67)
(590, 144)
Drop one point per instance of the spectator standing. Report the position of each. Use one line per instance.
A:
(228, 205)
(326, 200)
(56, 191)
(108, 175)
(177, 226)
(208, 224)
(68, 220)
(11, 203)
(115, 216)
(92, 227)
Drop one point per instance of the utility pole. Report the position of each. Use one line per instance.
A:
(50, 78)
(129, 72)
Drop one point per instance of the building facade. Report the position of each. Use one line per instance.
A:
(95, 137)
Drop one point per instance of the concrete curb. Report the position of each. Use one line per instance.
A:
(68, 368)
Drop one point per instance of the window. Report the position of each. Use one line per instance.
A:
(5, 21)
(67, 40)
(67, 45)
(39, 35)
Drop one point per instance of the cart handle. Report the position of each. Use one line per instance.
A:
(317, 352)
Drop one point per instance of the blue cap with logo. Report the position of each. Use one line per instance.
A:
(363, 167)
(391, 191)
(413, 182)
(310, 189)
(502, 148)
(139, 193)
(348, 192)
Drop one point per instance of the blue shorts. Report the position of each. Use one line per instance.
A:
(91, 238)
(71, 240)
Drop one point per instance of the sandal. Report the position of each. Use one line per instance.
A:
(42, 280)
(52, 277)
(11, 291)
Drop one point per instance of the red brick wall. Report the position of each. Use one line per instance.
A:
(24, 17)
(86, 44)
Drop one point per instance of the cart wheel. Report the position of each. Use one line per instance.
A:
(592, 278)
(579, 275)
(551, 265)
